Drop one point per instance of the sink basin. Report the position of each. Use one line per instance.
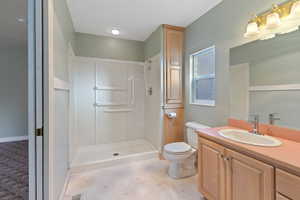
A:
(249, 138)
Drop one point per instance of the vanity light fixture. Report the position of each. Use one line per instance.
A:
(295, 11)
(267, 36)
(282, 19)
(292, 22)
(252, 28)
(288, 28)
(273, 19)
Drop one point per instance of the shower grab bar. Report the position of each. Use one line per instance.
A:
(132, 100)
(110, 88)
(117, 110)
(109, 104)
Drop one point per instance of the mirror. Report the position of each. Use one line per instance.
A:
(265, 80)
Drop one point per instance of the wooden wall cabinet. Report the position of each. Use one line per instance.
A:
(227, 175)
(172, 83)
(173, 53)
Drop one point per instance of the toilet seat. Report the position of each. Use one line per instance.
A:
(177, 148)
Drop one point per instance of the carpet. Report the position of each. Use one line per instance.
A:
(14, 170)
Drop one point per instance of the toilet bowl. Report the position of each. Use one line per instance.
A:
(182, 159)
(183, 156)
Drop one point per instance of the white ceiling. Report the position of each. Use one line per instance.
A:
(136, 19)
(13, 33)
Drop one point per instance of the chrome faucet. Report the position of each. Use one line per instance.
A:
(255, 124)
(273, 118)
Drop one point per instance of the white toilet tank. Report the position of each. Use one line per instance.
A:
(191, 135)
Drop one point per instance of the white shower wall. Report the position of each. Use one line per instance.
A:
(109, 100)
(153, 101)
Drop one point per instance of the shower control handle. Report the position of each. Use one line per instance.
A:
(150, 91)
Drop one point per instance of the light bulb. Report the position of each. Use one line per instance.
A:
(252, 30)
(273, 21)
(295, 11)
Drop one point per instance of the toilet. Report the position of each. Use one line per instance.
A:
(183, 156)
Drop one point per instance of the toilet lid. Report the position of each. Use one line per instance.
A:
(178, 147)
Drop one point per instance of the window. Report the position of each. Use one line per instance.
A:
(202, 78)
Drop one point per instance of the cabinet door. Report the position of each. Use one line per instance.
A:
(288, 184)
(248, 179)
(280, 197)
(174, 128)
(211, 168)
(174, 55)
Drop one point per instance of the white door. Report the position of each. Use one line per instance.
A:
(35, 99)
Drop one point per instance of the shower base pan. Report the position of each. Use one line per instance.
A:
(106, 155)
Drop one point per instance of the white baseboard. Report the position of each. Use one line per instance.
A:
(13, 139)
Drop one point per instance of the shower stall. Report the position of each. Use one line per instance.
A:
(116, 110)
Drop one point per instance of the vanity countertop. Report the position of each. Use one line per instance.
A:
(286, 156)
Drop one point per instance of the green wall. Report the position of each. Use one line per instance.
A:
(64, 19)
(223, 26)
(88, 45)
(63, 38)
(154, 43)
(13, 92)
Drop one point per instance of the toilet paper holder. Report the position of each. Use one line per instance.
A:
(171, 115)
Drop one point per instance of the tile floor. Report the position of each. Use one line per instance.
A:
(147, 180)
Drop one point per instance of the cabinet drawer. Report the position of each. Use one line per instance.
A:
(280, 197)
(288, 184)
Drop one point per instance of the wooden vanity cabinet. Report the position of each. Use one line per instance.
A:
(227, 175)
(280, 197)
(287, 185)
(247, 178)
(211, 168)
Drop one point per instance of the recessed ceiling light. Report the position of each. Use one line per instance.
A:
(115, 31)
(20, 19)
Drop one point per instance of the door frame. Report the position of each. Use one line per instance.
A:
(31, 99)
(40, 98)
(35, 99)
(48, 58)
